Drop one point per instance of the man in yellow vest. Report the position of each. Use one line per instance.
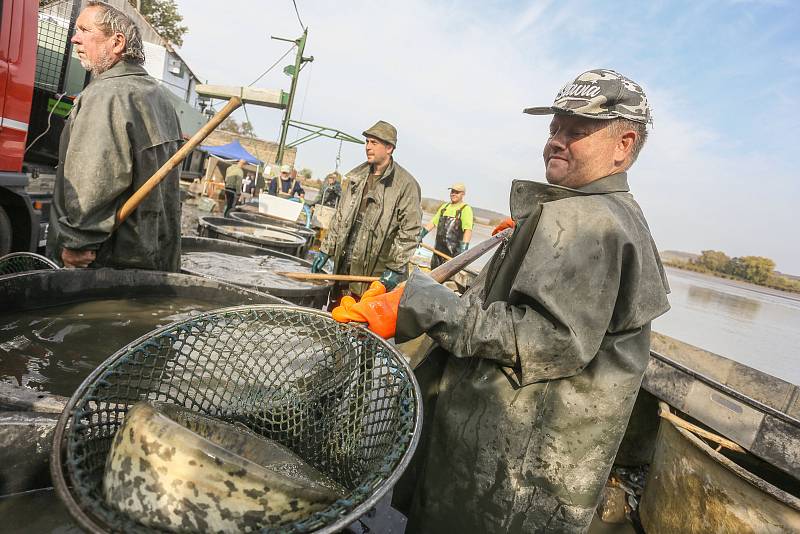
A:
(453, 223)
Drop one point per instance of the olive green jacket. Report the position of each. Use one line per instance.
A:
(391, 223)
(234, 178)
(529, 390)
(121, 130)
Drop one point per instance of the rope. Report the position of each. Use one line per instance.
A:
(339, 156)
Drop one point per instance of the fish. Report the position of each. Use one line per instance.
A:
(175, 469)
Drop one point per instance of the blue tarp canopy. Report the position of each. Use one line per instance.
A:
(232, 151)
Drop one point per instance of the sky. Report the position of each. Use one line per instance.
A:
(721, 77)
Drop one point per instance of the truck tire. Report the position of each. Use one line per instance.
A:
(5, 233)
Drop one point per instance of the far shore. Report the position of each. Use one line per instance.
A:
(735, 283)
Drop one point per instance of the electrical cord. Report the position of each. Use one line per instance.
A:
(49, 118)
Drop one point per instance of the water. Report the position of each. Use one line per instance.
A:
(480, 233)
(258, 271)
(53, 349)
(260, 232)
(752, 325)
(755, 326)
(36, 512)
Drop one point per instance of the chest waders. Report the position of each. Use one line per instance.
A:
(281, 192)
(448, 235)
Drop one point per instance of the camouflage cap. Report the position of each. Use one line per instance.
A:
(383, 131)
(600, 94)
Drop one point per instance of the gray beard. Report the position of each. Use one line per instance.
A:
(103, 63)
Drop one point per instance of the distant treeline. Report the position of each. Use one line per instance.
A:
(753, 269)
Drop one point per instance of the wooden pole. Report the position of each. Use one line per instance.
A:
(137, 198)
(325, 276)
(438, 253)
(664, 412)
(451, 267)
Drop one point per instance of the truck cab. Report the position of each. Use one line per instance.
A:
(39, 77)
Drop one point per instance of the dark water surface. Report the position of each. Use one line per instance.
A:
(36, 512)
(755, 326)
(264, 233)
(53, 349)
(257, 271)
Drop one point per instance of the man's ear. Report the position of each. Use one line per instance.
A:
(624, 147)
(119, 42)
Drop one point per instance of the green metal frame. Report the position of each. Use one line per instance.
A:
(316, 130)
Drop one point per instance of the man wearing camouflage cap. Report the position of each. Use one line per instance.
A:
(375, 228)
(534, 371)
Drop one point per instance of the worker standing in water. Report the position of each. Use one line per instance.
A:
(453, 223)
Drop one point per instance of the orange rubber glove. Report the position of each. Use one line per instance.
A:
(377, 308)
(506, 223)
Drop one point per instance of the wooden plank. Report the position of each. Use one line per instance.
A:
(248, 95)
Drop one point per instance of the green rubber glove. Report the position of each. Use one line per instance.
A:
(319, 262)
(391, 278)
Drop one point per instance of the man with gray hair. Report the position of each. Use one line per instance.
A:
(534, 371)
(121, 130)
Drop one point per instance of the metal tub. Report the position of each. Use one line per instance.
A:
(261, 218)
(27, 416)
(278, 239)
(692, 488)
(312, 296)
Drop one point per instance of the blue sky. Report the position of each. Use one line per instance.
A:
(721, 77)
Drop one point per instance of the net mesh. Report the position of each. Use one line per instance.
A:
(19, 262)
(342, 399)
(53, 47)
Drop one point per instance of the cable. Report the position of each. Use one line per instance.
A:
(302, 26)
(246, 116)
(50, 116)
(272, 66)
(305, 96)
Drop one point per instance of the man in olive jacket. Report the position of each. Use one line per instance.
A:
(377, 222)
(534, 371)
(121, 130)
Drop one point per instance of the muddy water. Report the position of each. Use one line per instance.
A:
(54, 349)
(263, 233)
(259, 271)
(36, 512)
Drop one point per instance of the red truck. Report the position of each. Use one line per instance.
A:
(38, 80)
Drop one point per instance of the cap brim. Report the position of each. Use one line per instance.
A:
(548, 110)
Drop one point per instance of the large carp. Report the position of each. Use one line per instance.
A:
(175, 469)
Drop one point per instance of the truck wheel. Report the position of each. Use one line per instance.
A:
(5, 232)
